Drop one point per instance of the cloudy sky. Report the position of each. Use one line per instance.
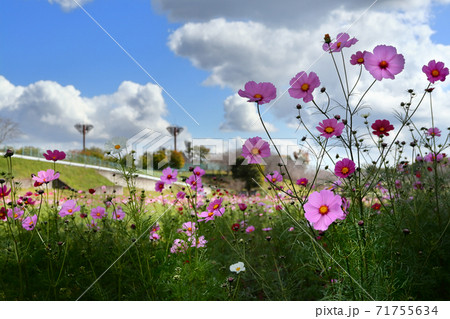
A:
(128, 65)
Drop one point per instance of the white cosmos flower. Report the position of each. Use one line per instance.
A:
(238, 267)
(116, 145)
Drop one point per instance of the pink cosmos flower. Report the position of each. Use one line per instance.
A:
(68, 208)
(302, 181)
(45, 176)
(357, 58)
(201, 242)
(154, 236)
(215, 205)
(254, 149)
(4, 191)
(260, 93)
(210, 215)
(159, 186)
(250, 229)
(342, 41)
(267, 229)
(17, 213)
(195, 182)
(382, 127)
(169, 176)
(198, 171)
(98, 213)
(93, 225)
(433, 131)
(384, 62)
(118, 214)
(344, 168)
(54, 156)
(431, 157)
(435, 71)
(189, 228)
(291, 228)
(330, 127)
(302, 86)
(178, 246)
(30, 222)
(323, 208)
(274, 177)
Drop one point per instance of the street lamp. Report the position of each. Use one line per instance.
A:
(174, 131)
(84, 129)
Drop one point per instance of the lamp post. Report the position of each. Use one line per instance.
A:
(84, 129)
(174, 131)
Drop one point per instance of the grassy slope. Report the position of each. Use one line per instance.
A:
(76, 177)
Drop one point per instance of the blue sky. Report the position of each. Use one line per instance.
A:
(59, 68)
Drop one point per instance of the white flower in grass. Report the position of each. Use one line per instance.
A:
(238, 267)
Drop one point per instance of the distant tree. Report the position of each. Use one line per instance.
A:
(201, 152)
(250, 174)
(8, 130)
(176, 159)
(94, 152)
(158, 157)
(29, 150)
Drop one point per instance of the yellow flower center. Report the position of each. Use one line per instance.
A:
(329, 130)
(435, 73)
(189, 228)
(256, 151)
(344, 170)
(338, 45)
(169, 176)
(323, 209)
(31, 223)
(305, 87)
(69, 210)
(238, 268)
(210, 214)
(216, 206)
(360, 60)
(381, 129)
(257, 96)
(98, 214)
(15, 215)
(383, 64)
(117, 146)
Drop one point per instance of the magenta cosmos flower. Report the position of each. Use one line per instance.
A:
(118, 213)
(4, 191)
(254, 149)
(260, 93)
(342, 41)
(169, 176)
(435, 71)
(274, 177)
(382, 128)
(323, 208)
(434, 131)
(195, 182)
(45, 176)
(189, 228)
(17, 213)
(302, 181)
(384, 62)
(68, 208)
(159, 186)
(330, 127)
(344, 168)
(98, 213)
(54, 156)
(30, 222)
(198, 171)
(357, 58)
(303, 85)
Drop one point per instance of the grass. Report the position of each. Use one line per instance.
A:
(76, 177)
